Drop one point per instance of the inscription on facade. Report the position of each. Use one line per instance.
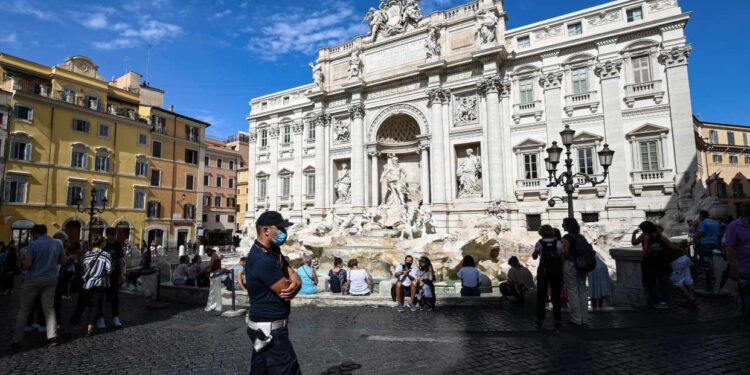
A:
(461, 39)
(391, 57)
(393, 90)
(340, 71)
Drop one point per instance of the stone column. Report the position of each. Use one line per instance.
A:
(424, 166)
(357, 114)
(490, 88)
(273, 180)
(252, 160)
(609, 72)
(675, 61)
(374, 178)
(298, 182)
(320, 161)
(437, 97)
(506, 145)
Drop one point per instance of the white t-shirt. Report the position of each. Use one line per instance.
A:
(469, 277)
(407, 280)
(358, 282)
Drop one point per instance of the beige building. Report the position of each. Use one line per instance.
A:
(724, 161)
(220, 194)
(240, 143)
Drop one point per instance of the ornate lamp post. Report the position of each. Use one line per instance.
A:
(567, 179)
(92, 210)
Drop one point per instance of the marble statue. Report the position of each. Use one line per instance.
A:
(317, 74)
(412, 14)
(378, 19)
(394, 177)
(431, 45)
(341, 132)
(466, 110)
(355, 65)
(343, 185)
(485, 28)
(392, 16)
(468, 173)
(329, 224)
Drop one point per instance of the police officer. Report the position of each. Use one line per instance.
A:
(271, 284)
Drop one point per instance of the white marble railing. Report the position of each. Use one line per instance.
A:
(531, 184)
(660, 175)
(643, 89)
(580, 99)
(459, 10)
(261, 199)
(309, 197)
(527, 107)
(285, 198)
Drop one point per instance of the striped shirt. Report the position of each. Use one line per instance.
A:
(97, 266)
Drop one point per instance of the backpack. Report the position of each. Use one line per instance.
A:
(551, 261)
(585, 258)
(336, 283)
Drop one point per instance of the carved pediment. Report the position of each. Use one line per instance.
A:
(648, 129)
(529, 144)
(586, 137)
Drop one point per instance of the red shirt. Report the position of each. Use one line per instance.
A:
(216, 264)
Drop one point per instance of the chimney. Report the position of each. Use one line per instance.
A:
(171, 108)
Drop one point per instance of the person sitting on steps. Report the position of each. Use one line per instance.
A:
(405, 277)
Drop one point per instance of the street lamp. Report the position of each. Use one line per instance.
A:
(92, 210)
(567, 179)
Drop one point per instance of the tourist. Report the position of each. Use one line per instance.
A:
(549, 274)
(655, 267)
(308, 276)
(469, 276)
(8, 267)
(41, 263)
(360, 282)
(680, 276)
(405, 275)
(737, 241)
(97, 268)
(599, 284)
(425, 283)
(215, 281)
(337, 277)
(152, 249)
(271, 284)
(238, 272)
(519, 280)
(707, 234)
(63, 276)
(117, 255)
(575, 281)
(146, 257)
(193, 271)
(180, 275)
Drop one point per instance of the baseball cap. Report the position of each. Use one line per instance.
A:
(269, 218)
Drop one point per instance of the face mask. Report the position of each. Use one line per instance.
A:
(408, 264)
(280, 237)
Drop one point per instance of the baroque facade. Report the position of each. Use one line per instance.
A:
(451, 113)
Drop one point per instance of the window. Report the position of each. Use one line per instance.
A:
(217, 201)
(192, 133)
(747, 159)
(23, 112)
(231, 165)
(713, 136)
(575, 29)
(263, 138)
(590, 217)
(285, 100)
(141, 168)
(160, 124)
(101, 163)
(142, 139)
(207, 161)
(310, 185)
(81, 126)
(287, 134)
(526, 89)
(218, 181)
(286, 185)
(204, 217)
(311, 130)
(100, 193)
(156, 149)
(189, 182)
(217, 218)
(262, 188)
(717, 159)
(139, 200)
(15, 189)
(263, 106)
(530, 167)
(231, 183)
(722, 189)
(230, 202)
(733, 159)
(206, 180)
(730, 138)
(104, 130)
(189, 211)
(744, 136)
(154, 209)
(206, 201)
(191, 156)
(635, 14)
(76, 194)
(586, 160)
(79, 159)
(230, 218)
(533, 222)
(641, 69)
(20, 149)
(523, 42)
(155, 177)
(649, 155)
(219, 163)
(737, 189)
(580, 80)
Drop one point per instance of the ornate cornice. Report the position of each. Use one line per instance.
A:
(357, 111)
(672, 26)
(298, 127)
(438, 95)
(608, 69)
(494, 84)
(606, 42)
(551, 80)
(273, 131)
(676, 56)
(322, 119)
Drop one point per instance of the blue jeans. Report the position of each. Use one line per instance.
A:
(277, 358)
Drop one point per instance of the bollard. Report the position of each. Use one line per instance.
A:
(231, 277)
(233, 312)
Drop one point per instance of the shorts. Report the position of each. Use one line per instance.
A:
(681, 272)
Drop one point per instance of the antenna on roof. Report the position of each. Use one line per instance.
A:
(148, 60)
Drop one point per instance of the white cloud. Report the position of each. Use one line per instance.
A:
(28, 8)
(96, 21)
(221, 14)
(147, 30)
(118, 43)
(297, 30)
(9, 39)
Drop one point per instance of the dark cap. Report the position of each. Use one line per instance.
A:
(270, 218)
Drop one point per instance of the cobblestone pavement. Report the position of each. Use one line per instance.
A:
(366, 340)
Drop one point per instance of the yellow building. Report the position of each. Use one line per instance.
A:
(240, 142)
(724, 161)
(71, 133)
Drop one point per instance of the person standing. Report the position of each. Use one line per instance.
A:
(216, 276)
(737, 242)
(549, 275)
(271, 284)
(707, 234)
(117, 277)
(575, 280)
(8, 268)
(97, 267)
(42, 264)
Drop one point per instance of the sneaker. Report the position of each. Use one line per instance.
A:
(100, 324)
(400, 308)
(116, 322)
(208, 308)
(413, 307)
(51, 343)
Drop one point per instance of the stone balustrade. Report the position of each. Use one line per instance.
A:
(581, 100)
(662, 178)
(644, 90)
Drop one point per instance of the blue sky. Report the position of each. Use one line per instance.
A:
(211, 57)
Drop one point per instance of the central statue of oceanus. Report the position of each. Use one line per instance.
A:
(392, 17)
(395, 179)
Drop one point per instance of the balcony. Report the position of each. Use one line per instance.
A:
(531, 187)
(586, 187)
(662, 179)
(309, 197)
(527, 109)
(644, 90)
(285, 198)
(588, 100)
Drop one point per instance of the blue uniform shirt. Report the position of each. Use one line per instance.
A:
(710, 230)
(263, 269)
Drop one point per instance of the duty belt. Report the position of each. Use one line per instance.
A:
(266, 326)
